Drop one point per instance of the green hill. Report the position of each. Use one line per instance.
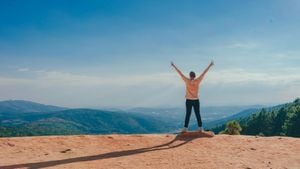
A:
(23, 118)
(21, 106)
(279, 120)
(78, 121)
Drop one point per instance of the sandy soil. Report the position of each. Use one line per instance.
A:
(150, 151)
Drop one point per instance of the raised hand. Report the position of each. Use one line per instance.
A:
(172, 64)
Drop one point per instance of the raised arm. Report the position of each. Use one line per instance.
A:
(179, 72)
(205, 71)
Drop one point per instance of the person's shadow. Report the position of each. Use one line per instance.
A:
(103, 156)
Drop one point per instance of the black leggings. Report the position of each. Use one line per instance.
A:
(189, 104)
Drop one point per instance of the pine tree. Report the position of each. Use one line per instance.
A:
(292, 123)
(279, 122)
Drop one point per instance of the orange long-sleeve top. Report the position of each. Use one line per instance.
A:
(191, 87)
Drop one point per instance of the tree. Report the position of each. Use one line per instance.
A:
(232, 128)
(297, 101)
(279, 122)
(292, 123)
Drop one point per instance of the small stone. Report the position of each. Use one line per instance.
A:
(64, 151)
(10, 144)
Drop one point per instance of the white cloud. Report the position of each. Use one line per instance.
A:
(23, 69)
(9, 81)
(62, 78)
(230, 86)
(241, 76)
(243, 45)
(215, 77)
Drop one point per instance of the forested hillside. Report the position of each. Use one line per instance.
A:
(78, 121)
(272, 122)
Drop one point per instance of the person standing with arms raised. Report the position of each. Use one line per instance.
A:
(192, 95)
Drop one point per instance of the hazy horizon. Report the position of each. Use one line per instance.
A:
(117, 53)
(147, 107)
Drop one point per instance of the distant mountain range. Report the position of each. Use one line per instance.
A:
(211, 116)
(17, 106)
(19, 118)
(28, 118)
(241, 115)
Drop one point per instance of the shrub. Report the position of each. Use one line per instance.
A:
(232, 128)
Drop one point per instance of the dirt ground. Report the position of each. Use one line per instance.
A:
(166, 151)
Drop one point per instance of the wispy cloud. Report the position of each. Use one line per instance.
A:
(215, 77)
(243, 45)
(152, 89)
(241, 76)
(58, 78)
(11, 81)
(62, 78)
(23, 69)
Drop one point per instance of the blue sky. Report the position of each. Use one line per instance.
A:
(116, 53)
